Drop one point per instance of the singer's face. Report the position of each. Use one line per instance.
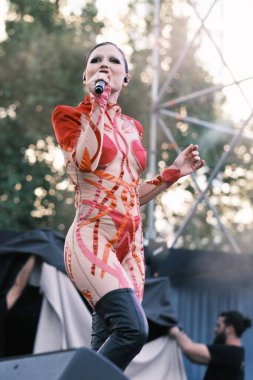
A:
(220, 326)
(107, 61)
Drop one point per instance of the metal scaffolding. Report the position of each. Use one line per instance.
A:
(164, 108)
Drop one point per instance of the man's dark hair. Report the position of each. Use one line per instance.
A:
(237, 320)
(107, 43)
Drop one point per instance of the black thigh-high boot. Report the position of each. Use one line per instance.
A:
(100, 331)
(127, 323)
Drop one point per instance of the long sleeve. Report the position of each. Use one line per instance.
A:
(81, 130)
(148, 190)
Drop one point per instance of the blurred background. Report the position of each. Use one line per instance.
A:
(203, 46)
(192, 82)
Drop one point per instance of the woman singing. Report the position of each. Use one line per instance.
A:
(104, 159)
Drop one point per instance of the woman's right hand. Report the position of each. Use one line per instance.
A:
(91, 82)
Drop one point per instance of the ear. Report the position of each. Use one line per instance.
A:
(126, 80)
(84, 78)
(230, 330)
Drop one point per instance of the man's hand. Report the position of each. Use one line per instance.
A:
(196, 352)
(173, 331)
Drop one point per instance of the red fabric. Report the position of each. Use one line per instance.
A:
(139, 153)
(66, 121)
(170, 175)
(109, 151)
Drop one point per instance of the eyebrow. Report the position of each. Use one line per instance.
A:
(102, 56)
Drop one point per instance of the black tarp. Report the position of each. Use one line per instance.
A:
(206, 267)
(44, 243)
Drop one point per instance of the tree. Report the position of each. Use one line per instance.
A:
(41, 67)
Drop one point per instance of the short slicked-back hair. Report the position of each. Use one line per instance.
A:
(107, 43)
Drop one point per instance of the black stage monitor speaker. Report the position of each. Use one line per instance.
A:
(80, 364)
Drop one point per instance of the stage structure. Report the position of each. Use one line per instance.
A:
(166, 108)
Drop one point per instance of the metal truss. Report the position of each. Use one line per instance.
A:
(164, 108)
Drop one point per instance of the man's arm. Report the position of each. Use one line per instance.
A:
(20, 282)
(196, 352)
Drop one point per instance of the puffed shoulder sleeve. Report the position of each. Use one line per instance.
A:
(66, 122)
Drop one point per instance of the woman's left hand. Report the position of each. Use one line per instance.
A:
(188, 161)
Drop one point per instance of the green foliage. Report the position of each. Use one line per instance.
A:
(40, 67)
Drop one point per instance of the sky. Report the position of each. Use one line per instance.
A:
(230, 24)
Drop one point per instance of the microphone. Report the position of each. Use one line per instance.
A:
(100, 86)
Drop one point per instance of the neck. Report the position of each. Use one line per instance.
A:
(233, 341)
(113, 97)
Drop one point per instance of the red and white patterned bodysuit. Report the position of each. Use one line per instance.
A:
(104, 158)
